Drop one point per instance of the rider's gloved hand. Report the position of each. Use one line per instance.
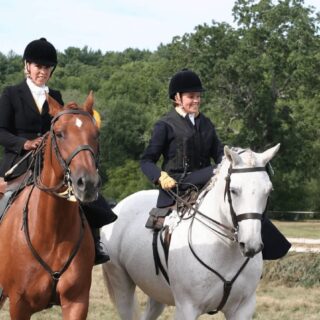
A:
(166, 182)
(32, 144)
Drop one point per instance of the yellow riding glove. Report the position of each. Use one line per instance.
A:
(166, 182)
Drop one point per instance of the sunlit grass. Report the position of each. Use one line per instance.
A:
(274, 300)
(273, 303)
(302, 229)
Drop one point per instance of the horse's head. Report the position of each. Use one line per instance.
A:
(74, 138)
(248, 187)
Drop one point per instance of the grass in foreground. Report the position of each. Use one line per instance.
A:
(274, 302)
(299, 229)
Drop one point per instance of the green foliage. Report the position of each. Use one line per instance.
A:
(262, 88)
(122, 132)
(294, 270)
(125, 180)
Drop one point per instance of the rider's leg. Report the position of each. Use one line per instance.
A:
(102, 254)
(98, 214)
(275, 244)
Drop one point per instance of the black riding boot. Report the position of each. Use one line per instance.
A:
(102, 255)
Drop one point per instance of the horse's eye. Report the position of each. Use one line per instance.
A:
(234, 191)
(59, 134)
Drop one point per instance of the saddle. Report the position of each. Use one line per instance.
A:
(14, 184)
(158, 215)
(9, 189)
(156, 221)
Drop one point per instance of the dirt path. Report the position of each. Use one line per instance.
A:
(305, 245)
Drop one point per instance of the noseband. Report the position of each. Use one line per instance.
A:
(244, 216)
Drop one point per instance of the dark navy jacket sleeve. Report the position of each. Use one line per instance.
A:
(162, 143)
(158, 145)
(217, 152)
(8, 139)
(20, 121)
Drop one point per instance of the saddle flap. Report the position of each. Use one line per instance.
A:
(156, 218)
(3, 186)
(14, 184)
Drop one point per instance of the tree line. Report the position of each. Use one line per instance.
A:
(262, 85)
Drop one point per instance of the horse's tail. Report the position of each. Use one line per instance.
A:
(108, 283)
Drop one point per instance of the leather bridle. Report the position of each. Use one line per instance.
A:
(231, 231)
(243, 216)
(66, 181)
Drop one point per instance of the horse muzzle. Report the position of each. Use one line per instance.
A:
(86, 186)
(250, 251)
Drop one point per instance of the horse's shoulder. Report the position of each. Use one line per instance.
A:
(139, 199)
(142, 194)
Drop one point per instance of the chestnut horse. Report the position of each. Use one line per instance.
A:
(46, 246)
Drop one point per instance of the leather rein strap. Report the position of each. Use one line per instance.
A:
(55, 275)
(227, 284)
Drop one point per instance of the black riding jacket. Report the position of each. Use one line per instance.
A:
(185, 147)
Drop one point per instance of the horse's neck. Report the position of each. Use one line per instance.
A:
(52, 173)
(214, 203)
(51, 214)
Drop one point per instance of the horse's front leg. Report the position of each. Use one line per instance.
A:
(244, 311)
(19, 309)
(186, 311)
(75, 310)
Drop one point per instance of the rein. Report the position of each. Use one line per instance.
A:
(231, 230)
(55, 275)
(227, 284)
(67, 194)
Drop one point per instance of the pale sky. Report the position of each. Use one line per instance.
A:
(108, 25)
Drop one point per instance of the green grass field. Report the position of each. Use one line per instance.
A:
(274, 302)
(289, 290)
(302, 229)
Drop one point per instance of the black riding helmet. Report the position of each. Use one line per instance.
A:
(41, 52)
(184, 81)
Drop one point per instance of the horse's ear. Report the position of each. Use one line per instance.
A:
(232, 156)
(88, 104)
(267, 155)
(54, 106)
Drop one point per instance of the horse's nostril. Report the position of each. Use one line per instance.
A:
(241, 244)
(80, 183)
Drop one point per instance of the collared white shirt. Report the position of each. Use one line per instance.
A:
(38, 93)
(181, 111)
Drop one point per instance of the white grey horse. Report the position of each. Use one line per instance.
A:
(214, 260)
